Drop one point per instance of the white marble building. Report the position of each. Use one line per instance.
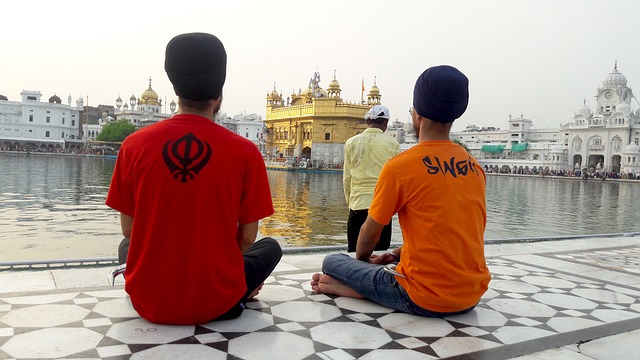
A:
(605, 139)
(145, 110)
(609, 136)
(249, 126)
(35, 124)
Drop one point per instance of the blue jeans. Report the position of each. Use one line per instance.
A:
(376, 284)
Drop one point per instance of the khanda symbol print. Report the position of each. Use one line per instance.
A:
(186, 156)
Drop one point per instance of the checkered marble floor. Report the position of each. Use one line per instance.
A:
(537, 301)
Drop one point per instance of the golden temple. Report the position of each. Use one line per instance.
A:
(315, 123)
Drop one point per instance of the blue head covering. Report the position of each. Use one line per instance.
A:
(441, 94)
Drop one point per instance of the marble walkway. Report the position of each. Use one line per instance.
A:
(569, 299)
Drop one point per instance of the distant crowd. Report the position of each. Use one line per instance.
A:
(584, 173)
(59, 150)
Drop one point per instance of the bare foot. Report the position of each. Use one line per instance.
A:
(325, 284)
(255, 292)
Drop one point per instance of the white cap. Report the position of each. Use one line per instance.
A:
(377, 112)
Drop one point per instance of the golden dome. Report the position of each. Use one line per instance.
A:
(274, 95)
(334, 85)
(375, 91)
(149, 96)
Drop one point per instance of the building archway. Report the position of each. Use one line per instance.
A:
(577, 161)
(594, 160)
(306, 152)
(615, 163)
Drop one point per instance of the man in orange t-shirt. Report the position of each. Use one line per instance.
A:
(438, 191)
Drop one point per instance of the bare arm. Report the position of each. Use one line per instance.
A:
(126, 223)
(368, 238)
(246, 236)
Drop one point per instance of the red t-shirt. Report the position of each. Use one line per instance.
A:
(187, 182)
(438, 191)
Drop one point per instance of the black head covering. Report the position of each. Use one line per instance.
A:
(196, 64)
(441, 94)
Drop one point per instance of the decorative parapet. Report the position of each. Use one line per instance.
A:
(319, 107)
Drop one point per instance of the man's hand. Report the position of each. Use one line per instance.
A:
(383, 259)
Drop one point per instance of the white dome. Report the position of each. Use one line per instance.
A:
(624, 108)
(614, 79)
(584, 110)
(631, 149)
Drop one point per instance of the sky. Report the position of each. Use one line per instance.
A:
(539, 59)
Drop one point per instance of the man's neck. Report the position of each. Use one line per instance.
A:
(209, 111)
(206, 113)
(432, 130)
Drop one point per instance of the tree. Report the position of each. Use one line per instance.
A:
(461, 144)
(116, 131)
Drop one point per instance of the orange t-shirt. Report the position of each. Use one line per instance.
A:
(438, 191)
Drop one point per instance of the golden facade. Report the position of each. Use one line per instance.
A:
(315, 123)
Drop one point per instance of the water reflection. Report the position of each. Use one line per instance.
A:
(309, 209)
(531, 207)
(52, 207)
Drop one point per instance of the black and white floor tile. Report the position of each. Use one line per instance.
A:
(535, 302)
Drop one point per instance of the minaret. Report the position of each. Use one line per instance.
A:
(333, 91)
(374, 97)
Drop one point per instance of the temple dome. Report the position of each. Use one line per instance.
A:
(55, 99)
(624, 108)
(584, 110)
(631, 149)
(614, 79)
(149, 96)
(334, 85)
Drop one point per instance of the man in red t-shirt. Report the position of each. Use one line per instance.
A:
(438, 191)
(190, 194)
